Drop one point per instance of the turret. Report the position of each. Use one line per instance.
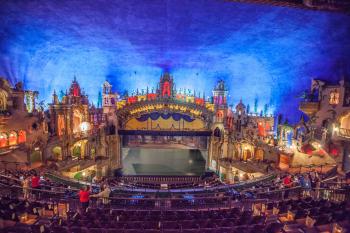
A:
(54, 98)
(109, 98)
(220, 95)
(106, 88)
(240, 108)
(220, 102)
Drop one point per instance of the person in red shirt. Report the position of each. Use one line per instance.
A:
(35, 182)
(287, 181)
(35, 185)
(84, 198)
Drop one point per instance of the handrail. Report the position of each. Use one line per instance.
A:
(198, 189)
(156, 203)
(42, 185)
(344, 132)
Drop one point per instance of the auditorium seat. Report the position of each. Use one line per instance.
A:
(96, 230)
(151, 231)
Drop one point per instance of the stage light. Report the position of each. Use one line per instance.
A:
(83, 173)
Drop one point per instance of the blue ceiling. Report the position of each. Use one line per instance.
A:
(261, 51)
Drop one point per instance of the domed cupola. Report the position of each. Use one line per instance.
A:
(220, 86)
(240, 108)
(220, 95)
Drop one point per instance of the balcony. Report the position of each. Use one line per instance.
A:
(309, 108)
(344, 133)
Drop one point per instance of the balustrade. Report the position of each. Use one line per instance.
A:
(343, 132)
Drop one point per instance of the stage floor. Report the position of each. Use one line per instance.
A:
(161, 161)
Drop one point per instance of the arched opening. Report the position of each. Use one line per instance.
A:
(78, 149)
(36, 154)
(35, 157)
(300, 133)
(166, 89)
(261, 129)
(12, 138)
(77, 120)
(57, 153)
(289, 138)
(247, 154)
(217, 132)
(3, 100)
(219, 116)
(213, 165)
(334, 97)
(22, 136)
(60, 125)
(3, 139)
(247, 151)
(235, 152)
(93, 153)
(259, 154)
(76, 153)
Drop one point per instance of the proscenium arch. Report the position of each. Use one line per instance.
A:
(174, 121)
(201, 115)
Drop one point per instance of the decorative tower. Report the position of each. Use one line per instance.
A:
(166, 86)
(220, 101)
(219, 143)
(240, 108)
(109, 98)
(71, 115)
(240, 116)
(75, 88)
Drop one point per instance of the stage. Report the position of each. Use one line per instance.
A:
(163, 161)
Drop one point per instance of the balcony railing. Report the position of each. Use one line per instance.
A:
(343, 132)
(309, 108)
